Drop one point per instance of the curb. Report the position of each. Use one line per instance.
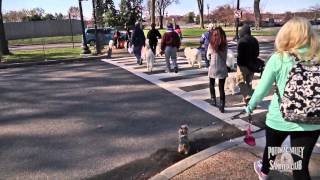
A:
(185, 164)
(48, 62)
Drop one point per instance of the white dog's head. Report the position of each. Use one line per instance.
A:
(231, 60)
(111, 44)
(183, 130)
(147, 46)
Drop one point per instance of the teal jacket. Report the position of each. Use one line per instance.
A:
(277, 68)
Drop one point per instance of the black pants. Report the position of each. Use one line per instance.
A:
(221, 88)
(306, 139)
(153, 47)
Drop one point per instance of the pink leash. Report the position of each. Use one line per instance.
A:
(249, 139)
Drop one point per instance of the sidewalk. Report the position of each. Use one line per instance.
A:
(231, 160)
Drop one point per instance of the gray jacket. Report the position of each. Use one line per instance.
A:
(218, 63)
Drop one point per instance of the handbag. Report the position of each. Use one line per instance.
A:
(130, 50)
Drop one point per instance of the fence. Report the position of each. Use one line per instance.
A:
(35, 29)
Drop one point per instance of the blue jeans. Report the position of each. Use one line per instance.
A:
(137, 52)
(205, 58)
(171, 52)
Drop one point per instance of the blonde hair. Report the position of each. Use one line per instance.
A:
(295, 34)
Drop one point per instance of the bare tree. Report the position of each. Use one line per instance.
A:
(257, 15)
(74, 12)
(3, 41)
(13, 16)
(223, 14)
(161, 6)
(316, 10)
(153, 11)
(200, 7)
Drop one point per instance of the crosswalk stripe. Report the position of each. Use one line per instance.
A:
(192, 84)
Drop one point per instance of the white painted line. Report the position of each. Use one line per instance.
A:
(180, 73)
(189, 82)
(194, 97)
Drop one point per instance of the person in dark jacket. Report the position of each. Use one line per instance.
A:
(138, 41)
(170, 44)
(116, 37)
(128, 37)
(153, 36)
(248, 51)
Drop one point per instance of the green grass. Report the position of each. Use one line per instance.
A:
(197, 32)
(39, 55)
(190, 44)
(46, 40)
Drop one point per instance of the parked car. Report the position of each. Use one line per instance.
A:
(108, 35)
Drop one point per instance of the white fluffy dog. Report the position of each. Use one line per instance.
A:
(231, 84)
(109, 50)
(193, 56)
(149, 57)
(158, 51)
(231, 61)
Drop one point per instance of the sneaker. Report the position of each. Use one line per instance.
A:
(257, 168)
(176, 69)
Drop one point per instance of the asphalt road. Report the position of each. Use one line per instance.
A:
(72, 121)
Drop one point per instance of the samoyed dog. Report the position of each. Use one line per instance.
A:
(231, 84)
(149, 57)
(231, 61)
(158, 51)
(193, 56)
(109, 48)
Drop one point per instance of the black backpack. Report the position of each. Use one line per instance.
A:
(301, 99)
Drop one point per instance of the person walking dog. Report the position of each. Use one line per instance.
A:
(248, 51)
(293, 68)
(204, 40)
(138, 41)
(217, 54)
(170, 44)
(153, 36)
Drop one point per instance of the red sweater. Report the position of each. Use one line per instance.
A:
(170, 39)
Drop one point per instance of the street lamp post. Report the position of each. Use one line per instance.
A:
(167, 20)
(85, 49)
(237, 23)
(208, 18)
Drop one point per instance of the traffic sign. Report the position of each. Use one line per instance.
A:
(237, 13)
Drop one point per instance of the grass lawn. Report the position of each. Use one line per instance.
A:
(187, 32)
(46, 40)
(197, 32)
(39, 55)
(190, 44)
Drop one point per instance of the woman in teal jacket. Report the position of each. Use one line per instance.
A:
(295, 37)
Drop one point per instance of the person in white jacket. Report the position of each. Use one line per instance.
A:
(217, 54)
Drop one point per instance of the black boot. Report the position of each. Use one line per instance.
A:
(213, 101)
(222, 104)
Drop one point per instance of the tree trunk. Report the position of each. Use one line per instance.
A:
(257, 14)
(200, 7)
(161, 21)
(153, 11)
(3, 41)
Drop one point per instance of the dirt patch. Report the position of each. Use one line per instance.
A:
(145, 168)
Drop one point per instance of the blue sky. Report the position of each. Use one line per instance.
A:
(62, 6)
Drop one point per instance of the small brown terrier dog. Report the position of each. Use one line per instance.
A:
(184, 145)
